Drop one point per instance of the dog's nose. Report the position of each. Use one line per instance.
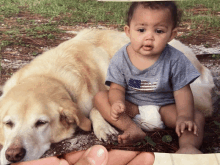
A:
(15, 154)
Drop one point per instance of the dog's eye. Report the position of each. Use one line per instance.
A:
(9, 124)
(40, 123)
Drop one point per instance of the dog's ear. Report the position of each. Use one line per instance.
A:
(72, 114)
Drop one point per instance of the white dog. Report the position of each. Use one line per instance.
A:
(46, 100)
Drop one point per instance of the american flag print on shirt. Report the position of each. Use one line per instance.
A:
(142, 85)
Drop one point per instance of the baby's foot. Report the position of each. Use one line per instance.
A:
(132, 134)
(189, 149)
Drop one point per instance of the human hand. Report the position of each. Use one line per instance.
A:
(97, 155)
(116, 109)
(183, 123)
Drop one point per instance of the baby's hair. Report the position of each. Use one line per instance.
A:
(175, 13)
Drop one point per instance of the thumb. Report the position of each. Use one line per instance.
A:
(96, 155)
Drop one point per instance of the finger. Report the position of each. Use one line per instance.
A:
(117, 110)
(73, 156)
(97, 155)
(182, 127)
(113, 113)
(62, 162)
(44, 161)
(196, 130)
(144, 158)
(190, 126)
(178, 130)
(122, 108)
(114, 117)
(121, 157)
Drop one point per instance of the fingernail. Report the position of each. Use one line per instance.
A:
(96, 155)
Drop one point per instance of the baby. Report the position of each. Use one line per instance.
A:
(149, 80)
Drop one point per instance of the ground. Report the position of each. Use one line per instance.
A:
(20, 49)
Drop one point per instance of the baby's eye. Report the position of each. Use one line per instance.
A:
(159, 31)
(141, 30)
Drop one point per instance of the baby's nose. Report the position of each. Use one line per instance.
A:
(149, 36)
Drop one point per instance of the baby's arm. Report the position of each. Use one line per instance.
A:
(185, 111)
(117, 100)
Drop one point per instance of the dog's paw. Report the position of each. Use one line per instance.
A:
(102, 128)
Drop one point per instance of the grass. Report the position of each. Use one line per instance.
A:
(211, 4)
(4, 43)
(8, 8)
(45, 30)
(76, 11)
(216, 56)
(56, 12)
(72, 12)
(83, 11)
(208, 16)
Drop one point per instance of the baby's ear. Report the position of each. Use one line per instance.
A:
(173, 34)
(127, 30)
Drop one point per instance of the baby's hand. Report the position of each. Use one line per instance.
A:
(116, 109)
(183, 123)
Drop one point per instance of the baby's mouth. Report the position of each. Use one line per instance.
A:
(147, 47)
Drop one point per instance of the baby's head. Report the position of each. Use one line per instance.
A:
(156, 5)
(150, 26)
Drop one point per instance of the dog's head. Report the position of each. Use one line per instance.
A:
(31, 118)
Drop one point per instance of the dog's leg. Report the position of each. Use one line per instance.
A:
(101, 127)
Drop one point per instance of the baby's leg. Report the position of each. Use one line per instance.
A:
(188, 142)
(132, 132)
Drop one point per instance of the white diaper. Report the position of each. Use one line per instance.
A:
(149, 118)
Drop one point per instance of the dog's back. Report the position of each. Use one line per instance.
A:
(84, 58)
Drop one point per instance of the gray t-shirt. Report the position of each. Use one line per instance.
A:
(156, 84)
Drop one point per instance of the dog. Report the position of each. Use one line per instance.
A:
(44, 102)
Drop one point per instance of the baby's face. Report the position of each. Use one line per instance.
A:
(150, 30)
